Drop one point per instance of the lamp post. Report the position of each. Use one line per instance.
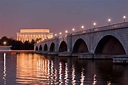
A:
(124, 17)
(94, 24)
(82, 27)
(55, 35)
(60, 33)
(66, 31)
(73, 29)
(109, 21)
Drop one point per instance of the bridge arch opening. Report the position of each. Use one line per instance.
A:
(80, 46)
(109, 45)
(36, 48)
(52, 47)
(45, 47)
(63, 46)
(40, 48)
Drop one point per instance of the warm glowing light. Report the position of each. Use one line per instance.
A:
(4, 42)
(94, 24)
(66, 31)
(124, 17)
(82, 26)
(60, 33)
(73, 29)
(55, 34)
(109, 20)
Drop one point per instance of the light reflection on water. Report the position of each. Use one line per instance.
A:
(35, 69)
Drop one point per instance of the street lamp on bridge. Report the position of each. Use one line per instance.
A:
(55, 35)
(73, 29)
(60, 33)
(109, 21)
(66, 31)
(124, 17)
(82, 27)
(94, 24)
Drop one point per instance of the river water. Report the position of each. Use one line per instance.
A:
(35, 69)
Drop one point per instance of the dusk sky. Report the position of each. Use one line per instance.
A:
(58, 15)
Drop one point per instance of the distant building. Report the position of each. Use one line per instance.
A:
(34, 34)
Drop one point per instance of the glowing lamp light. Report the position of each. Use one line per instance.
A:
(66, 31)
(55, 34)
(60, 33)
(82, 26)
(94, 24)
(109, 20)
(5, 43)
(124, 17)
(73, 29)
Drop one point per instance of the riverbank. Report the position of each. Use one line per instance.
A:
(17, 51)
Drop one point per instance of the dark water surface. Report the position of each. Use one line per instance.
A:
(35, 69)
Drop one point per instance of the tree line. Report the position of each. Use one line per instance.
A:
(17, 45)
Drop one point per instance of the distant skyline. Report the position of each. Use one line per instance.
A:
(58, 15)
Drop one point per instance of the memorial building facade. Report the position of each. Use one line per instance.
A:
(34, 34)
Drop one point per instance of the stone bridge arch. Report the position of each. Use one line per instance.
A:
(63, 46)
(52, 47)
(80, 46)
(40, 48)
(45, 47)
(109, 45)
(36, 48)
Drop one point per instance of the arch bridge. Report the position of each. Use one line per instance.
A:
(105, 40)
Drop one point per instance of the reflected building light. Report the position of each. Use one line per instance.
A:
(73, 75)
(60, 72)
(94, 80)
(4, 72)
(49, 69)
(66, 73)
(52, 72)
(124, 17)
(82, 77)
(108, 82)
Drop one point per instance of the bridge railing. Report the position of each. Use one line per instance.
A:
(103, 28)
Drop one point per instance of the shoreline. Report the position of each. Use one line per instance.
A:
(17, 51)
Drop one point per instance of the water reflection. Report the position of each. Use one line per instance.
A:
(4, 72)
(34, 69)
(31, 69)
